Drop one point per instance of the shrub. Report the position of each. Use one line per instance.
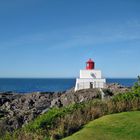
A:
(136, 87)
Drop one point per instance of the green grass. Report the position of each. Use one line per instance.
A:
(121, 126)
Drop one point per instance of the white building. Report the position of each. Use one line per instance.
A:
(90, 78)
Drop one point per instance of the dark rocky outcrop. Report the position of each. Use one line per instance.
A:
(8, 97)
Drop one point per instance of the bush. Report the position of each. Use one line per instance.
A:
(136, 87)
(61, 122)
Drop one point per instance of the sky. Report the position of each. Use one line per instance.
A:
(54, 38)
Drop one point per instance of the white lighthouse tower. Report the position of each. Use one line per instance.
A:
(90, 78)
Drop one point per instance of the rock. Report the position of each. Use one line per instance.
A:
(8, 97)
(116, 88)
(75, 97)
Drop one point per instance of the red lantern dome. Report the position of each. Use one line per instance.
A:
(90, 64)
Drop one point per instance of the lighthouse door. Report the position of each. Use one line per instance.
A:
(91, 84)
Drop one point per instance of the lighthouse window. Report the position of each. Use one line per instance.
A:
(93, 75)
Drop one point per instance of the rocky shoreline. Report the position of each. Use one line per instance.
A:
(16, 110)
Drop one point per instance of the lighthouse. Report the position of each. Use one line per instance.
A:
(90, 77)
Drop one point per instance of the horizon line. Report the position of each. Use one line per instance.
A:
(62, 77)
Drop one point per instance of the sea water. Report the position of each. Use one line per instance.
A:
(26, 85)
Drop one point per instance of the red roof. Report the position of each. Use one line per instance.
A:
(90, 61)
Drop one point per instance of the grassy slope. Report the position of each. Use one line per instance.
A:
(121, 126)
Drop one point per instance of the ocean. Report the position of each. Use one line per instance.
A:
(27, 85)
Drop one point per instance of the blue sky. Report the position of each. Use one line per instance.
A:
(54, 38)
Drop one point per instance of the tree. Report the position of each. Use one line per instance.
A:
(136, 87)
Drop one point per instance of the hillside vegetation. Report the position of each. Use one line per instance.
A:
(58, 123)
(121, 126)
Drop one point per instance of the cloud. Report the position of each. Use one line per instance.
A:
(79, 36)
